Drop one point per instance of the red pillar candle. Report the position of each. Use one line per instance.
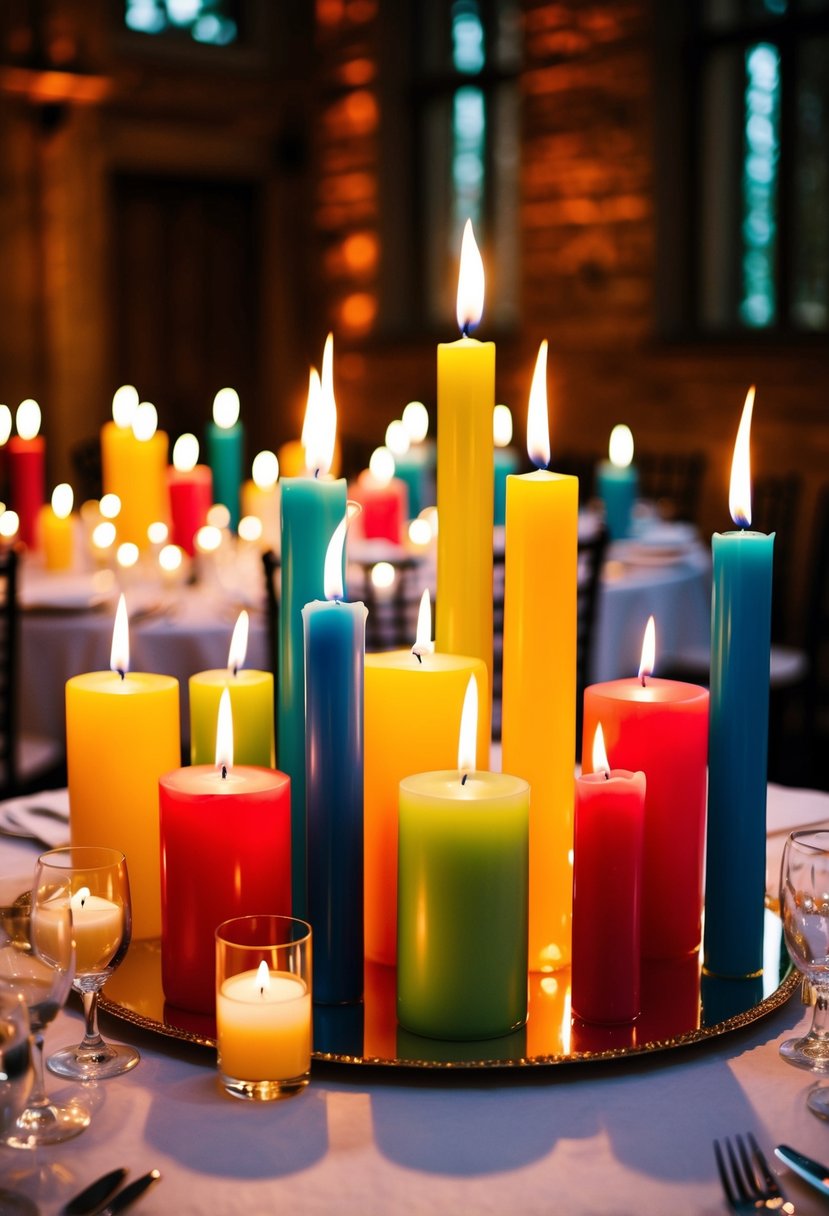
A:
(607, 880)
(661, 727)
(26, 457)
(384, 499)
(225, 851)
(191, 492)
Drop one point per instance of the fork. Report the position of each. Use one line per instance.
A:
(749, 1184)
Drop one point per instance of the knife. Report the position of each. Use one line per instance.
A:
(130, 1193)
(812, 1171)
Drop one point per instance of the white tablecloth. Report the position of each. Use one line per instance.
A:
(605, 1139)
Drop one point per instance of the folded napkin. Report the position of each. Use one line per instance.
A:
(787, 810)
(43, 817)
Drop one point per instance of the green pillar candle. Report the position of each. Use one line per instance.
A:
(225, 442)
(462, 904)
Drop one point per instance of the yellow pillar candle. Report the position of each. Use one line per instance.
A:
(466, 399)
(57, 529)
(539, 687)
(118, 441)
(146, 499)
(252, 705)
(122, 734)
(263, 1023)
(413, 702)
(260, 498)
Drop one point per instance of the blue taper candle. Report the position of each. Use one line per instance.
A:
(738, 732)
(334, 662)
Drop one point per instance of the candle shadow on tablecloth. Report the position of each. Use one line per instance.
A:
(237, 1139)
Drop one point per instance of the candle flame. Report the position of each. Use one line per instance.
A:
(185, 453)
(80, 897)
(265, 470)
(601, 764)
(124, 404)
(226, 408)
(238, 642)
(63, 499)
(145, 421)
(423, 636)
(470, 282)
(5, 424)
(224, 733)
(332, 579)
(502, 426)
(263, 978)
(397, 438)
(382, 466)
(468, 734)
(28, 419)
(415, 418)
(620, 448)
(739, 494)
(648, 661)
(319, 431)
(119, 655)
(538, 428)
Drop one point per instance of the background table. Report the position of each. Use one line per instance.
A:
(603, 1139)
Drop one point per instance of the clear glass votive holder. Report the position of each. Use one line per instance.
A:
(263, 1006)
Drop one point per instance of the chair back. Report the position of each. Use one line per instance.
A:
(673, 480)
(392, 611)
(8, 671)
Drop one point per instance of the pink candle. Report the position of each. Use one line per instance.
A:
(660, 727)
(26, 456)
(191, 492)
(607, 879)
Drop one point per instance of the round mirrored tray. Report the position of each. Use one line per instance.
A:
(680, 1006)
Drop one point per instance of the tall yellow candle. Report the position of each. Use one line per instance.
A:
(252, 703)
(539, 686)
(413, 702)
(118, 441)
(122, 734)
(146, 499)
(466, 399)
(57, 529)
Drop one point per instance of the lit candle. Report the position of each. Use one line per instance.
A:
(5, 432)
(740, 646)
(98, 926)
(57, 529)
(190, 486)
(383, 498)
(506, 459)
(311, 509)
(260, 498)
(617, 483)
(425, 691)
(225, 851)
(660, 727)
(225, 441)
(144, 500)
(539, 686)
(334, 655)
(26, 456)
(414, 460)
(607, 876)
(251, 696)
(263, 1022)
(466, 396)
(118, 442)
(122, 733)
(462, 897)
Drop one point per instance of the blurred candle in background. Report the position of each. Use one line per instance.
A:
(190, 487)
(383, 498)
(737, 766)
(506, 459)
(617, 483)
(5, 432)
(118, 442)
(144, 499)
(539, 697)
(260, 498)
(225, 442)
(57, 529)
(466, 397)
(26, 457)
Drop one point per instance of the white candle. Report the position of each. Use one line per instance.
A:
(98, 926)
(263, 1019)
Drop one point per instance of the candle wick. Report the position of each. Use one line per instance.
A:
(642, 678)
(463, 778)
(316, 473)
(121, 672)
(224, 772)
(235, 669)
(417, 655)
(606, 775)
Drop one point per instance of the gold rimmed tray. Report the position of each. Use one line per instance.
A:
(680, 1007)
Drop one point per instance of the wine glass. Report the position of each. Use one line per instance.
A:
(804, 904)
(96, 883)
(37, 961)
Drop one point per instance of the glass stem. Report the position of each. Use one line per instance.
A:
(820, 1018)
(92, 1035)
(38, 1098)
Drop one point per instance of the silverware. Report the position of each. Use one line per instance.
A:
(749, 1184)
(814, 1173)
(92, 1196)
(130, 1193)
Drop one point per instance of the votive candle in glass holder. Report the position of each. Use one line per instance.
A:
(263, 1006)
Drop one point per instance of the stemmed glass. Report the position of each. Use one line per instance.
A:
(96, 883)
(37, 961)
(804, 904)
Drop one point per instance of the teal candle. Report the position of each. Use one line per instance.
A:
(462, 904)
(311, 509)
(506, 462)
(414, 469)
(225, 438)
(618, 489)
(738, 735)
